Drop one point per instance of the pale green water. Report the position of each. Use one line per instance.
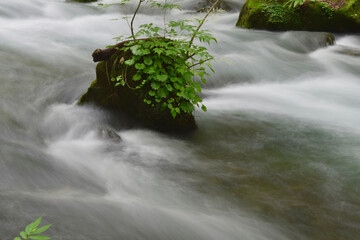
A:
(275, 157)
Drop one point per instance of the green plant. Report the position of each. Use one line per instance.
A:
(31, 231)
(297, 3)
(294, 3)
(278, 13)
(167, 59)
(327, 10)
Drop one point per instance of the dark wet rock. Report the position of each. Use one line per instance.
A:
(204, 6)
(108, 134)
(305, 42)
(349, 51)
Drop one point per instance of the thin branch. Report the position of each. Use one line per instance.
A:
(199, 63)
(190, 56)
(107, 73)
(133, 18)
(202, 22)
(125, 80)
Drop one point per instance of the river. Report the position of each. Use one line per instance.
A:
(277, 155)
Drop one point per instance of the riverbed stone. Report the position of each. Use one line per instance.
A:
(126, 99)
(205, 5)
(325, 15)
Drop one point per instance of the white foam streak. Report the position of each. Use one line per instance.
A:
(332, 100)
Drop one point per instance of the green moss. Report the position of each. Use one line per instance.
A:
(311, 16)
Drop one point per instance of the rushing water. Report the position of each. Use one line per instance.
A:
(277, 155)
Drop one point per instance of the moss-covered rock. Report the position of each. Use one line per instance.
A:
(325, 15)
(129, 100)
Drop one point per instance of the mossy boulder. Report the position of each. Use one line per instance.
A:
(325, 15)
(129, 100)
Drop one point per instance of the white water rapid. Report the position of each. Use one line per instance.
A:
(277, 155)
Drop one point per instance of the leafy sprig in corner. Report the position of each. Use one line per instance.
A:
(32, 231)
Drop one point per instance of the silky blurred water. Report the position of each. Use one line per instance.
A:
(275, 157)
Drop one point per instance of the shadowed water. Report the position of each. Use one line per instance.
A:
(275, 157)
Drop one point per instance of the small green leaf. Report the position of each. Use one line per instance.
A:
(148, 61)
(174, 79)
(146, 51)
(162, 77)
(17, 238)
(203, 108)
(203, 80)
(136, 77)
(38, 237)
(23, 235)
(29, 228)
(177, 86)
(162, 92)
(173, 113)
(197, 86)
(139, 66)
(187, 107)
(188, 75)
(129, 62)
(169, 87)
(190, 92)
(41, 229)
(158, 50)
(155, 85)
(149, 70)
(152, 93)
(136, 50)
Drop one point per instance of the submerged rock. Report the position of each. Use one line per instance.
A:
(325, 15)
(205, 5)
(127, 99)
(108, 134)
(349, 51)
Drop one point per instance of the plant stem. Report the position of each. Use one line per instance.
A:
(164, 19)
(202, 22)
(199, 63)
(133, 18)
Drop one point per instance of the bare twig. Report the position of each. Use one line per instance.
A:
(190, 56)
(201, 23)
(124, 73)
(107, 73)
(199, 63)
(133, 18)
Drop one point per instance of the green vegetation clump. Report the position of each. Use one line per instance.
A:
(280, 13)
(32, 231)
(168, 63)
